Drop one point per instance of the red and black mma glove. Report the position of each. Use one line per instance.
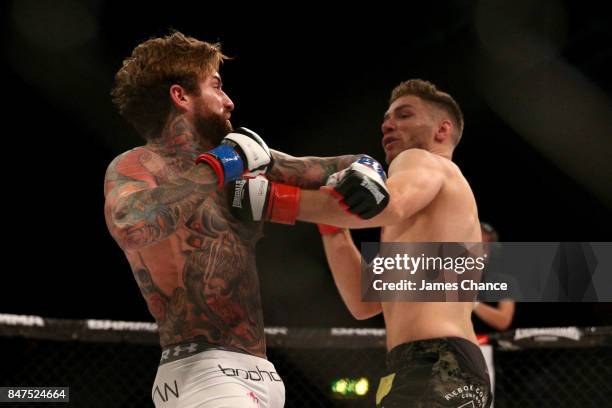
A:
(360, 188)
(258, 199)
(241, 153)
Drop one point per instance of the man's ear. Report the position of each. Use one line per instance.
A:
(444, 131)
(179, 97)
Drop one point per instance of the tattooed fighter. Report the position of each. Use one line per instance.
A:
(193, 261)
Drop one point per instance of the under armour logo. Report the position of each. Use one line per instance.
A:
(191, 348)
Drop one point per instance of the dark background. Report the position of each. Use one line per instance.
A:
(532, 78)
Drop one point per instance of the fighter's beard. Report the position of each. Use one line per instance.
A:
(212, 128)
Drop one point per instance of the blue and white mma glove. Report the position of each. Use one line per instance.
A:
(361, 188)
(241, 153)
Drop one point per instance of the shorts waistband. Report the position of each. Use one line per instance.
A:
(186, 349)
(430, 349)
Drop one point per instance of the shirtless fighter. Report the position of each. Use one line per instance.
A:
(193, 261)
(433, 358)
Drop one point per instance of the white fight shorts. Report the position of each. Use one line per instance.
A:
(193, 375)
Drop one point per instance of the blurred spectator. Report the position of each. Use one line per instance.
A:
(494, 315)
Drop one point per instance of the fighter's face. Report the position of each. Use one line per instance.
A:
(407, 124)
(212, 110)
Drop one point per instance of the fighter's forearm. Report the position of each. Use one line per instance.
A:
(144, 217)
(321, 208)
(306, 172)
(345, 263)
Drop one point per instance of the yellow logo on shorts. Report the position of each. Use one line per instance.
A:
(384, 387)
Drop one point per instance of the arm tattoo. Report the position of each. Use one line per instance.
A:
(307, 172)
(157, 204)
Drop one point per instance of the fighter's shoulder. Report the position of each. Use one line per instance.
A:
(412, 158)
(139, 166)
(137, 160)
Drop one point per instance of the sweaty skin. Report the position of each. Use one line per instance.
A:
(430, 201)
(193, 261)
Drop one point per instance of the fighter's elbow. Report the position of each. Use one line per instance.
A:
(127, 241)
(504, 324)
(133, 237)
(504, 327)
(360, 316)
(365, 310)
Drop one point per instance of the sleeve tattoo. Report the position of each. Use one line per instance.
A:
(142, 209)
(307, 172)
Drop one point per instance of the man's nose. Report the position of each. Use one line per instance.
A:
(228, 104)
(387, 126)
